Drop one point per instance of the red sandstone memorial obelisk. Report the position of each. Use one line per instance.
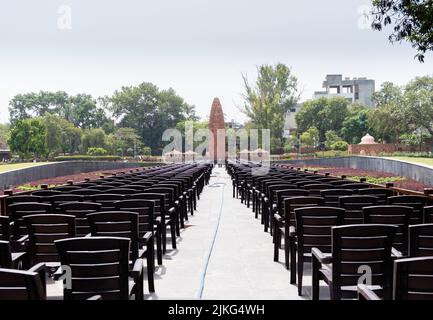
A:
(216, 122)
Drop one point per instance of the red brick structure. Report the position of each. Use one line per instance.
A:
(216, 122)
(378, 148)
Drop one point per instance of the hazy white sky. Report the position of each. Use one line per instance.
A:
(198, 47)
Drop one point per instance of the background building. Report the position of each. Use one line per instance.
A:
(356, 90)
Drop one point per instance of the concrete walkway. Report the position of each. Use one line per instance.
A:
(241, 263)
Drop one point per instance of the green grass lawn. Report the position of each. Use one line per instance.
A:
(14, 166)
(427, 161)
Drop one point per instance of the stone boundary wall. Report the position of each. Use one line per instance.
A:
(58, 169)
(417, 172)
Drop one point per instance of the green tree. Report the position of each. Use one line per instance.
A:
(356, 125)
(53, 135)
(4, 135)
(93, 138)
(310, 137)
(28, 138)
(268, 100)
(324, 114)
(81, 109)
(331, 137)
(411, 21)
(123, 139)
(417, 109)
(71, 137)
(386, 120)
(149, 111)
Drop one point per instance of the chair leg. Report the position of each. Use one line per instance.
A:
(300, 271)
(173, 234)
(164, 239)
(277, 244)
(315, 279)
(151, 265)
(159, 246)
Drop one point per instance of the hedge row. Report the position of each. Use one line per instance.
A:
(88, 158)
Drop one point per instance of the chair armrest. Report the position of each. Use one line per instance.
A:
(147, 236)
(94, 298)
(364, 293)
(320, 256)
(40, 268)
(23, 239)
(278, 218)
(157, 220)
(395, 254)
(137, 269)
(265, 199)
(172, 210)
(18, 257)
(292, 231)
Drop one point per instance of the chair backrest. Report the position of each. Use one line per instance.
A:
(395, 215)
(145, 210)
(62, 198)
(290, 204)
(22, 285)
(107, 200)
(122, 224)
(5, 254)
(45, 193)
(79, 210)
(421, 240)
(100, 188)
(67, 188)
(86, 193)
(354, 186)
(382, 194)
(332, 196)
(288, 193)
(122, 191)
(316, 188)
(43, 230)
(5, 231)
(358, 246)
(158, 198)
(416, 202)
(99, 266)
(19, 210)
(413, 279)
(313, 227)
(354, 206)
(24, 198)
(428, 214)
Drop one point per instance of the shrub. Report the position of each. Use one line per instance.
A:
(87, 158)
(96, 151)
(340, 146)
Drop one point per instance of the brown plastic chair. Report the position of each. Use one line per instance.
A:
(355, 247)
(125, 224)
(395, 215)
(23, 285)
(416, 202)
(80, 210)
(421, 240)
(313, 230)
(100, 266)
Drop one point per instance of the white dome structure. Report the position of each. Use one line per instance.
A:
(368, 139)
